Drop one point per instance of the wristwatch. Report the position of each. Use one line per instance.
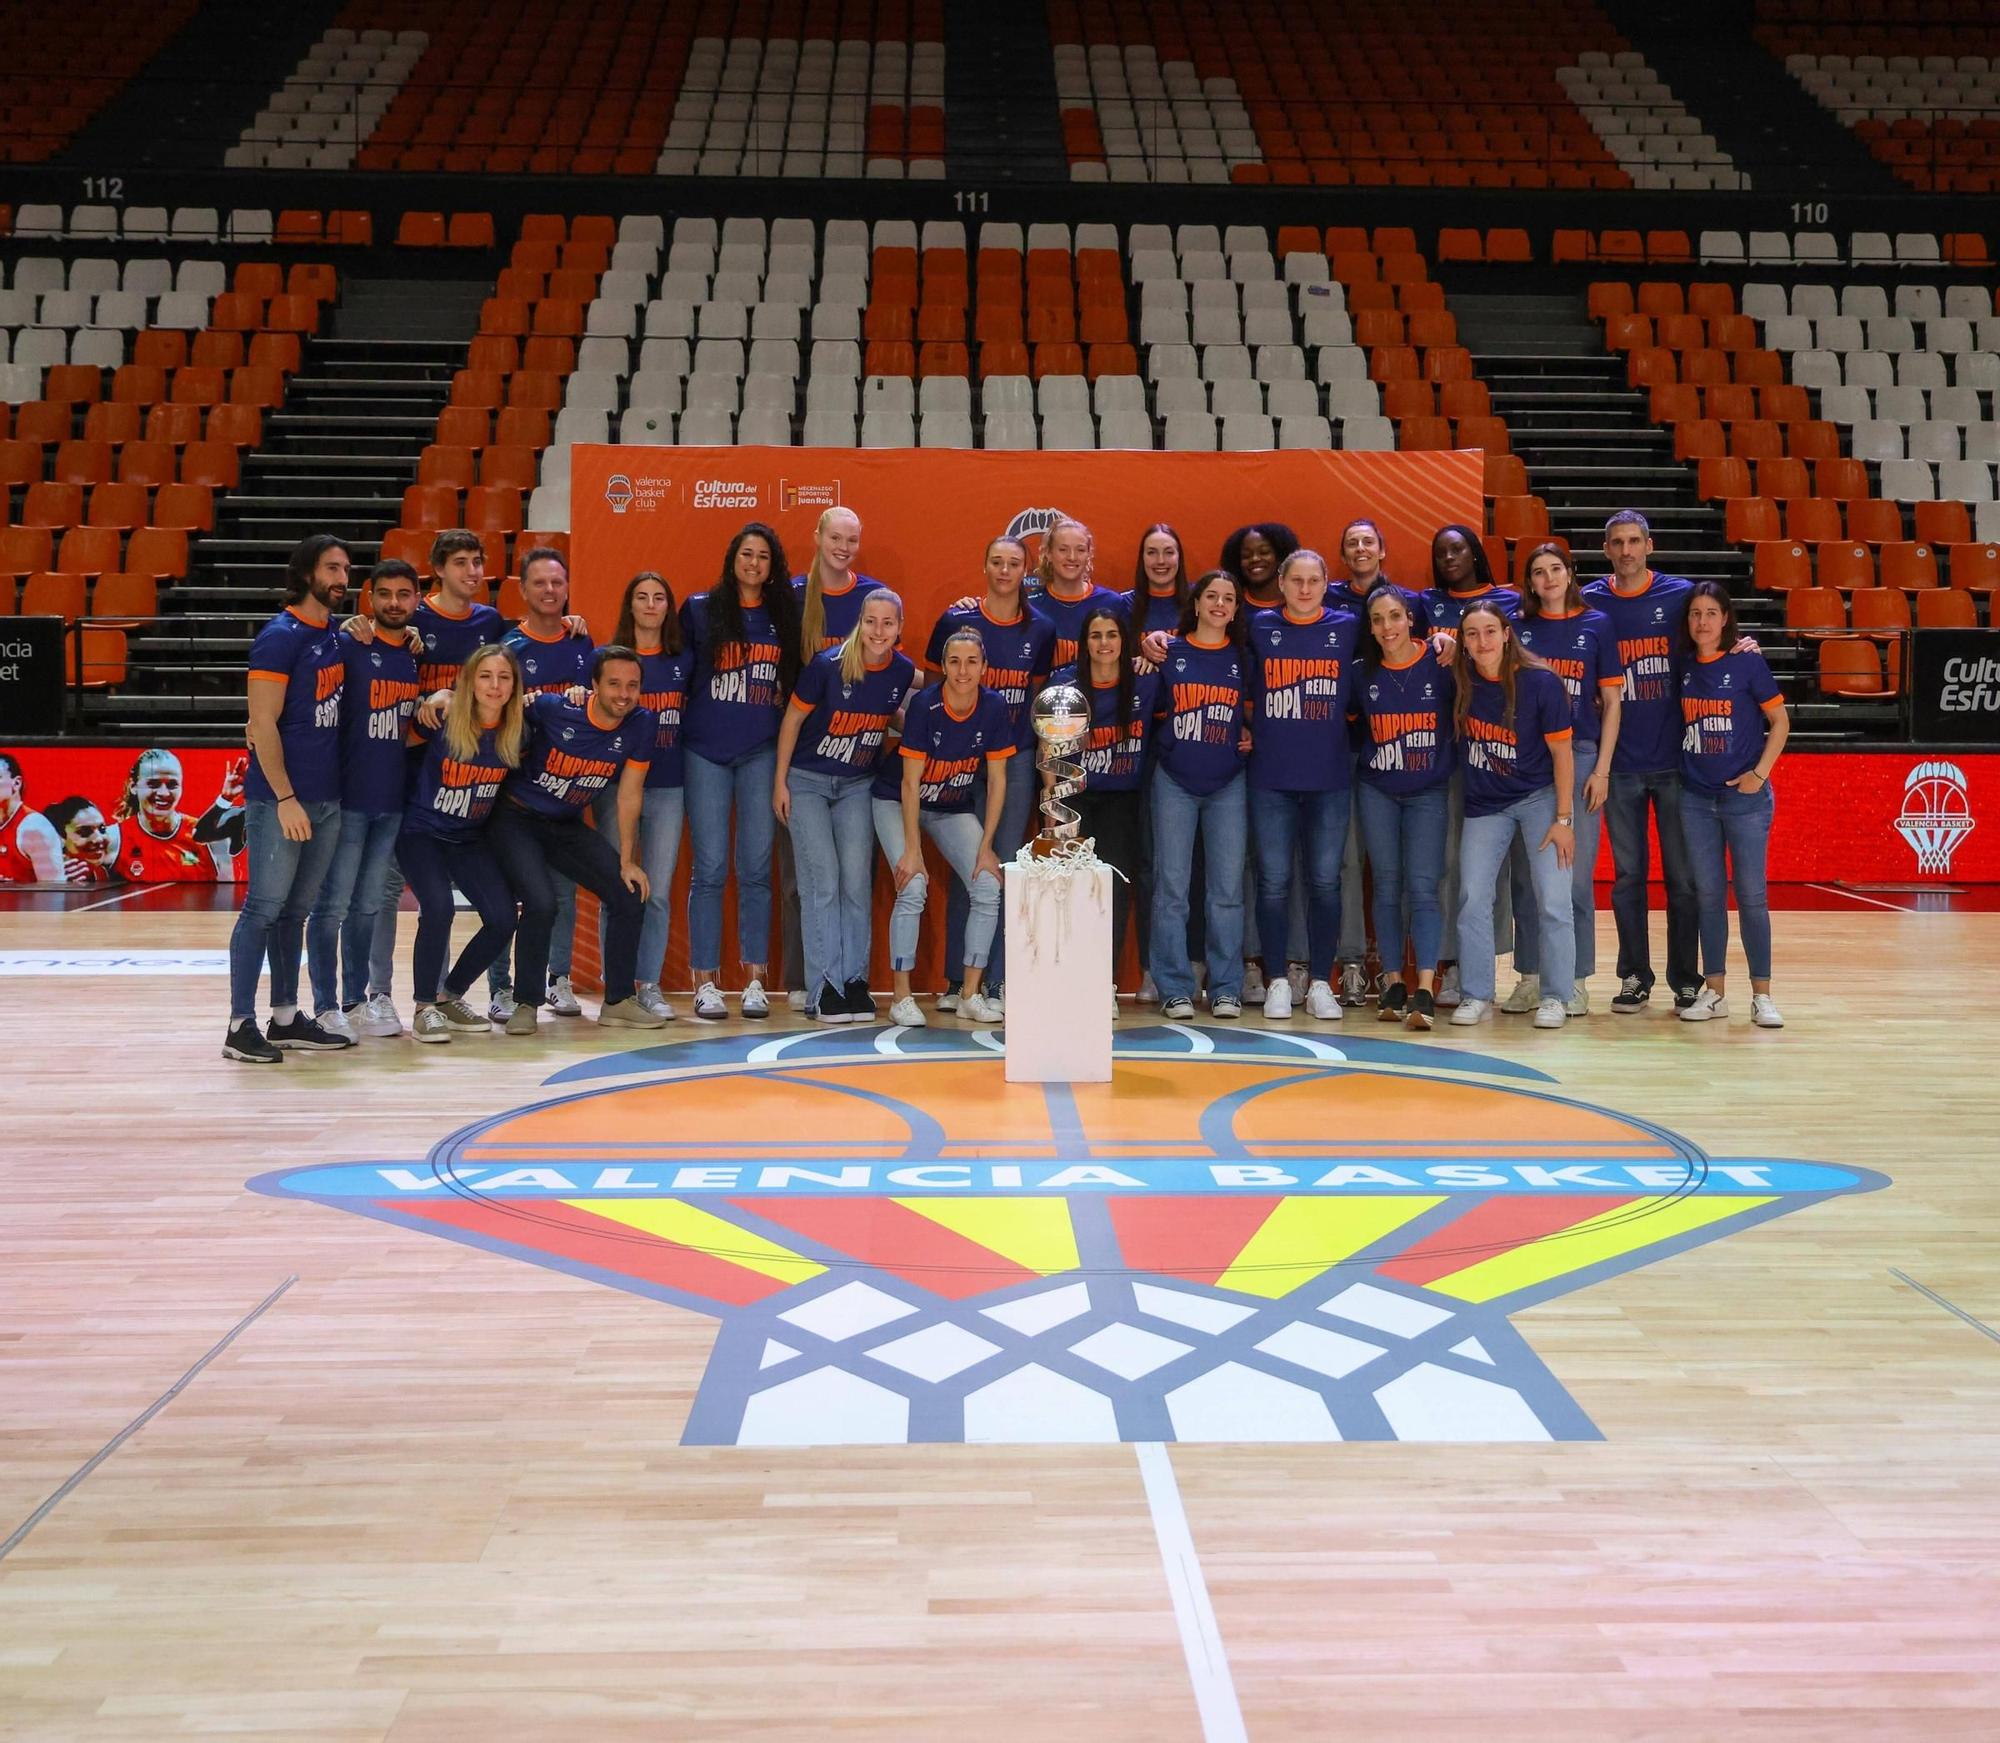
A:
(1564, 821)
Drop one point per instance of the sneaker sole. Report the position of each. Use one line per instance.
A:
(432, 1040)
(312, 1046)
(242, 1058)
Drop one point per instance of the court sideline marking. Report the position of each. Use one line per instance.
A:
(1201, 1639)
(1951, 1307)
(20, 1532)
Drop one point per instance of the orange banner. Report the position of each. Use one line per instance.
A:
(927, 512)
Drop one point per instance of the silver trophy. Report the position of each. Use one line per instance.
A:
(1062, 722)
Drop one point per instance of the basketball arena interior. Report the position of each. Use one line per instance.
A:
(791, 1169)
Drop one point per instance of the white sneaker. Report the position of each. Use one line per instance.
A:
(1299, 977)
(1527, 994)
(1321, 1002)
(1253, 982)
(335, 1023)
(755, 1004)
(1470, 1011)
(500, 1008)
(1149, 994)
(978, 1008)
(1353, 985)
(649, 995)
(1449, 988)
(1178, 1010)
(429, 1026)
(378, 1017)
(906, 1013)
(1278, 999)
(1549, 1014)
(796, 998)
(1579, 1000)
(562, 998)
(708, 1005)
(1708, 1004)
(1764, 1012)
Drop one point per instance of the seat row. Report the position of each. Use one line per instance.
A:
(1847, 566)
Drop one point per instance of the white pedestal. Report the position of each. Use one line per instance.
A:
(1059, 982)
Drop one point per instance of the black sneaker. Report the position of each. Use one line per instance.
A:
(1685, 996)
(1394, 996)
(1632, 995)
(860, 1004)
(1423, 1009)
(829, 1006)
(303, 1035)
(245, 1042)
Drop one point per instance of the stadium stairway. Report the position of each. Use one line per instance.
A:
(1001, 114)
(1787, 144)
(181, 113)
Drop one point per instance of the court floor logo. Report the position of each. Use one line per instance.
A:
(1246, 1235)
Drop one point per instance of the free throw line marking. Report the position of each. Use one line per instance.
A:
(20, 1532)
(1201, 1640)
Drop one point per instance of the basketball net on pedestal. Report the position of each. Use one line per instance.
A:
(1057, 911)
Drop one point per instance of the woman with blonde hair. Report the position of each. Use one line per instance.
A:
(476, 737)
(831, 590)
(829, 748)
(1068, 585)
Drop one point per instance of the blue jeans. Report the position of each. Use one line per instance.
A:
(1315, 824)
(1625, 813)
(434, 865)
(1582, 882)
(1739, 825)
(382, 942)
(281, 883)
(1220, 819)
(1451, 891)
(1015, 812)
(1405, 834)
(957, 835)
(1353, 946)
(713, 790)
(833, 841)
(341, 927)
(660, 817)
(1483, 850)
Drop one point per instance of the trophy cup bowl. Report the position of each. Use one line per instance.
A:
(1061, 720)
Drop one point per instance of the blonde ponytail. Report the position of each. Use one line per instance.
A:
(812, 619)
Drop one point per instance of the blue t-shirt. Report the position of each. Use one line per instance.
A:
(1651, 631)
(1342, 594)
(449, 797)
(663, 682)
(1728, 702)
(1445, 608)
(306, 659)
(549, 667)
(1582, 651)
(1204, 690)
(1018, 658)
(1503, 763)
(572, 756)
(733, 699)
(1113, 760)
(1304, 677)
(1161, 613)
(845, 724)
(952, 748)
(1067, 616)
(378, 696)
(448, 642)
(1405, 724)
(843, 609)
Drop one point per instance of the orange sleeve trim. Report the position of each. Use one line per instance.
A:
(999, 756)
(1611, 683)
(1775, 702)
(915, 756)
(1553, 737)
(803, 706)
(257, 677)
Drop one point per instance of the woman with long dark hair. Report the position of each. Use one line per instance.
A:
(1511, 717)
(744, 636)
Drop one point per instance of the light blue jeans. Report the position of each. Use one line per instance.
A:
(1451, 891)
(1582, 882)
(660, 816)
(833, 839)
(957, 834)
(382, 942)
(1220, 818)
(713, 791)
(341, 926)
(1406, 847)
(1739, 825)
(1483, 849)
(281, 883)
(1017, 815)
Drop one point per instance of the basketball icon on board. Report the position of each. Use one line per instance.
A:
(1244, 1236)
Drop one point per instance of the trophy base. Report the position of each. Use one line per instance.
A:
(1048, 844)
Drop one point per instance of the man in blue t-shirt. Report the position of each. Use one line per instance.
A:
(378, 695)
(292, 802)
(1648, 614)
(577, 754)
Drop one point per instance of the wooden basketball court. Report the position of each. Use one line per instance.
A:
(600, 1422)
